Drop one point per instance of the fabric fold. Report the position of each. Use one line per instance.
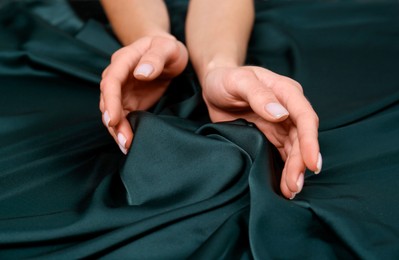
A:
(190, 188)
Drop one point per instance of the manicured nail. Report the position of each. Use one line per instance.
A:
(106, 118)
(300, 181)
(299, 184)
(123, 149)
(276, 110)
(122, 140)
(319, 164)
(144, 70)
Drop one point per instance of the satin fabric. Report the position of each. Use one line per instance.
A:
(190, 188)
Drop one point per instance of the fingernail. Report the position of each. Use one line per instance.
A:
(122, 140)
(293, 195)
(300, 181)
(276, 110)
(144, 70)
(106, 118)
(319, 164)
(123, 149)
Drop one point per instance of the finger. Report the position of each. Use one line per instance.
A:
(261, 99)
(290, 95)
(101, 104)
(115, 75)
(112, 101)
(277, 135)
(105, 71)
(283, 185)
(307, 124)
(163, 57)
(295, 169)
(123, 135)
(283, 153)
(110, 130)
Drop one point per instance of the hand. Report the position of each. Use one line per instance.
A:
(135, 80)
(277, 106)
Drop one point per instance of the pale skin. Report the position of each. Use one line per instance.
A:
(217, 45)
(140, 72)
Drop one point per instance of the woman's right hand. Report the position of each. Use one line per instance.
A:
(136, 78)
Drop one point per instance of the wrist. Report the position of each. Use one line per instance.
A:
(214, 64)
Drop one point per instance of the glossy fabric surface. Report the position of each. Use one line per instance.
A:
(190, 188)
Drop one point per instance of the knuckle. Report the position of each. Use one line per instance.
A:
(306, 114)
(316, 119)
(311, 115)
(103, 84)
(300, 87)
(288, 82)
(152, 57)
(122, 53)
(239, 76)
(116, 55)
(293, 82)
(104, 73)
(283, 186)
(261, 95)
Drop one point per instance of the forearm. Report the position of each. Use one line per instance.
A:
(217, 33)
(133, 19)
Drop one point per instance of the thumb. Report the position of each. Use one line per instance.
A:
(261, 99)
(163, 57)
(276, 110)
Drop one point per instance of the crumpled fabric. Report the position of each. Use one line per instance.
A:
(189, 188)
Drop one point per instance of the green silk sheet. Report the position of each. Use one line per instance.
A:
(189, 188)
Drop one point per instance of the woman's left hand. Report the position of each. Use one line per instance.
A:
(277, 106)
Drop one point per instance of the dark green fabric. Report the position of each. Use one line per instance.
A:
(190, 188)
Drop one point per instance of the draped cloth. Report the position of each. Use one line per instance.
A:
(190, 188)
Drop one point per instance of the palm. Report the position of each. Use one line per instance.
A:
(141, 95)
